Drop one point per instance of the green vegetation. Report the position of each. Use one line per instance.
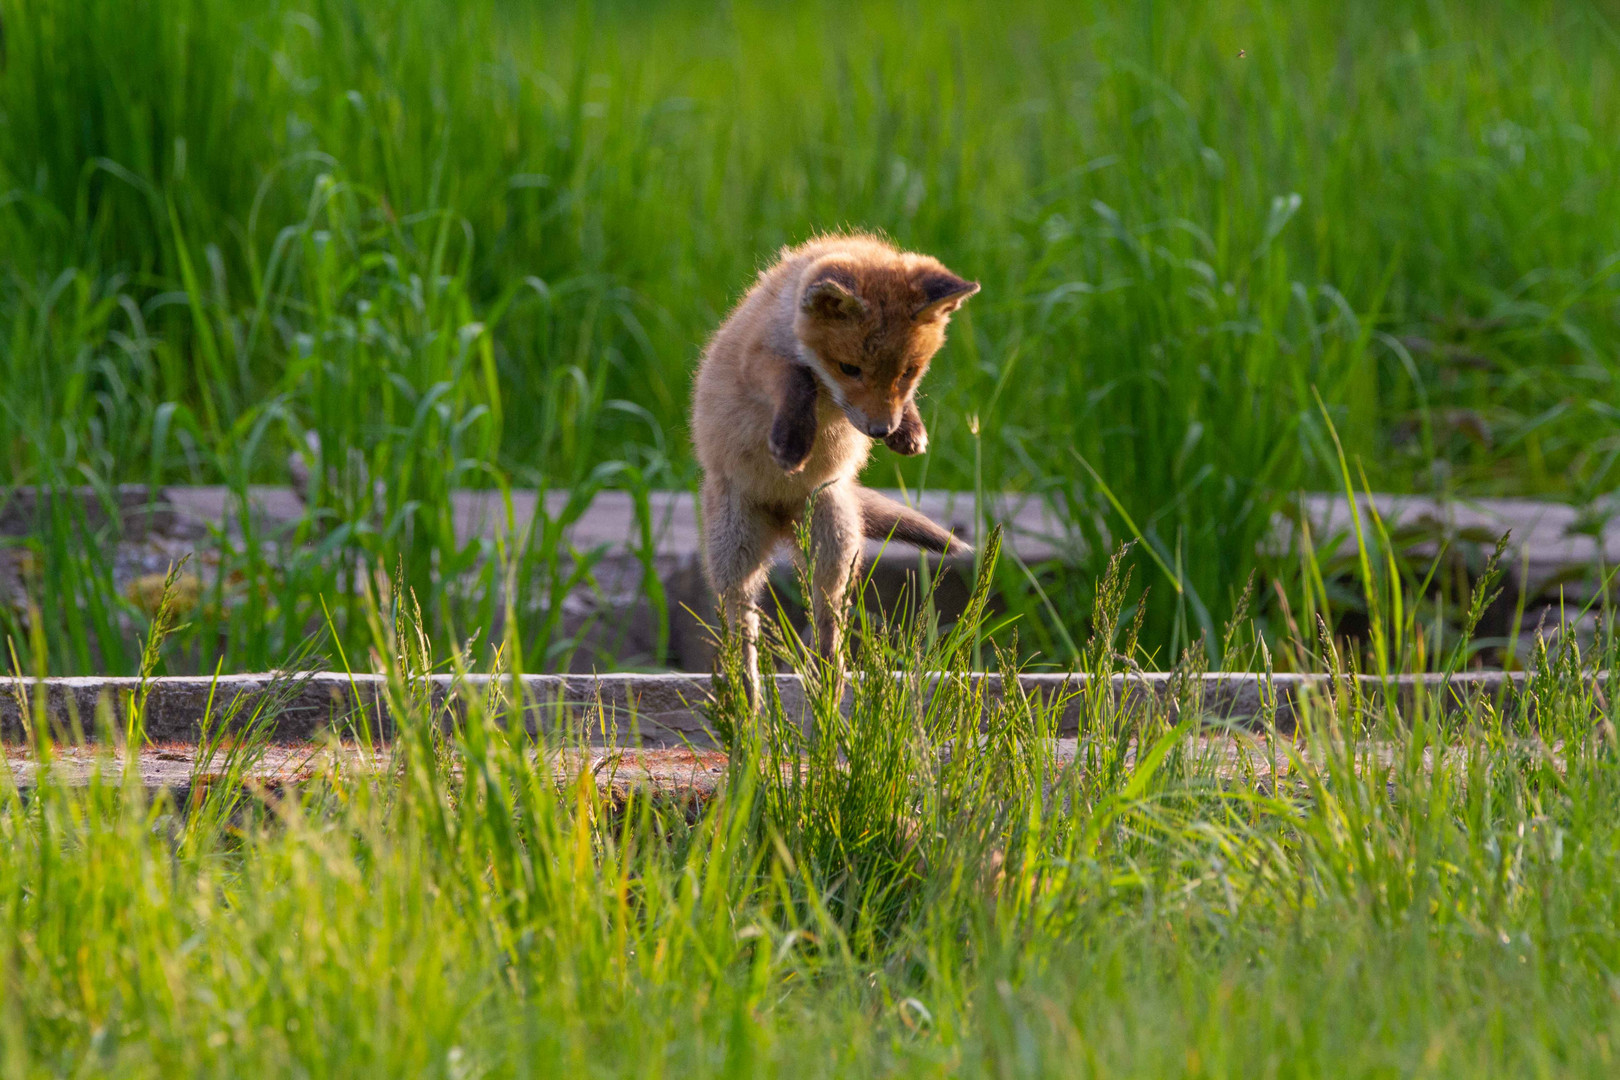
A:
(1420, 894)
(1229, 251)
(482, 245)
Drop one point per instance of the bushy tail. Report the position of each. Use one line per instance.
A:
(884, 519)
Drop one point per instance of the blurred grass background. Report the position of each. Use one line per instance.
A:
(482, 245)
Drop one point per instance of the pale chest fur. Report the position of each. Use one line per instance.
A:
(839, 453)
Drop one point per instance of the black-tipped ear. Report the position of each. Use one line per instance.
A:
(831, 299)
(944, 292)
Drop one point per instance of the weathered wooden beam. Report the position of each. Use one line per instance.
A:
(639, 709)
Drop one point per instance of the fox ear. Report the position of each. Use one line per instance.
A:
(944, 292)
(831, 299)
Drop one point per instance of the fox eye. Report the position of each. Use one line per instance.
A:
(849, 369)
(911, 371)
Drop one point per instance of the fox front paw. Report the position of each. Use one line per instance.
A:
(907, 439)
(790, 446)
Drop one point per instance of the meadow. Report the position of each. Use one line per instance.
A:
(1229, 252)
(1379, 892)
(482, 245)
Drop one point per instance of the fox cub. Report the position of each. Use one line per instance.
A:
(822, 356)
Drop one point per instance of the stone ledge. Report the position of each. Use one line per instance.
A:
(610, 617)
(609, 522)
(1558, 552)
(1553, 538)
(627, 709)
(1550, 542)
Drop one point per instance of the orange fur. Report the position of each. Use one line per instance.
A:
(865, 318)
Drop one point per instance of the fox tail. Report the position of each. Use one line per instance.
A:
(884, 519)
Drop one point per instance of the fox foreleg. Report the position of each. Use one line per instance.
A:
(910, 437)
(793, 428)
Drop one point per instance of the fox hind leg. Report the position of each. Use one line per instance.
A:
(835, 545)
(737, 541)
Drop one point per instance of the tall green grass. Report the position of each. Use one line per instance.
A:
(916, 886)
(485, 245)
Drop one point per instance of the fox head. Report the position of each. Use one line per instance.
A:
(870, 324)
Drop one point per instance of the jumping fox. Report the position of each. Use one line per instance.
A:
(823, 355)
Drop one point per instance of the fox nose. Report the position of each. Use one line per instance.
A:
(879, 428)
